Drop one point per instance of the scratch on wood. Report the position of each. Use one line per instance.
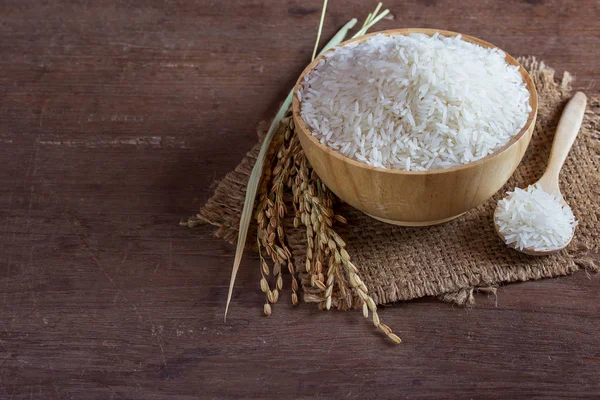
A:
(170, 249)
(97, 263)
(334, 340)
(103, 270)
(125, 255)
(158, 334)
(137, 383)
(162, 351)
(156, 268)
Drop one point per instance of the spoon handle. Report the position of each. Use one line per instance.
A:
(566, 132)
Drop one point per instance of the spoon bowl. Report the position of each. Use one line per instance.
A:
(529, 251)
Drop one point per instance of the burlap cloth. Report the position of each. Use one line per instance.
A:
(452, 260)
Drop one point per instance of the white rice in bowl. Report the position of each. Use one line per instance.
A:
(414, 102)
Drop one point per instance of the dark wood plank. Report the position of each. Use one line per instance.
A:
(117, 116)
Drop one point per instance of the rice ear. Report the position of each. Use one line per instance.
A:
(255, 176)
(251, 190)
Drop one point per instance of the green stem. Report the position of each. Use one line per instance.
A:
(319, 30)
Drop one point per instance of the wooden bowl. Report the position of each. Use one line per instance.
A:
(415, 198)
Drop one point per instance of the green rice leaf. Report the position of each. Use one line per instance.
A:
(371, 20)
(374, 21)
(376, 11)
(340, 36)
(367, 20)
(319, 30)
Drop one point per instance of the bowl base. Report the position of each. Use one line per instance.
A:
(414, 223)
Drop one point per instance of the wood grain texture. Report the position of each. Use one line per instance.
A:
(117, 116)
(415, 198)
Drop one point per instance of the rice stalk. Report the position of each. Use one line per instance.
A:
(257, 170)
(281, 168)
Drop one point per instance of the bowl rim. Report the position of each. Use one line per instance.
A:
(305, 130)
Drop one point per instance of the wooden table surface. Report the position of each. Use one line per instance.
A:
(115, 119)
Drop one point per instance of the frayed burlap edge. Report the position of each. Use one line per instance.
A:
(224, 207)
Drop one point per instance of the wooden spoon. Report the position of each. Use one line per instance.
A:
(566, 132)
